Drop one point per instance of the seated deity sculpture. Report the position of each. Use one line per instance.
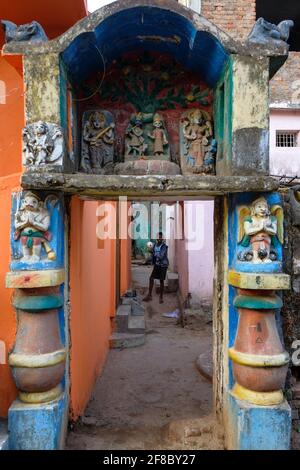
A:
(32, 222)
(261, 231)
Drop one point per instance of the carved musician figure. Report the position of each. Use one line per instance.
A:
(97, 141)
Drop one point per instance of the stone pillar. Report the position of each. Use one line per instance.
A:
(39, 355)
(258, 416)
(242, 117)
(259, 361)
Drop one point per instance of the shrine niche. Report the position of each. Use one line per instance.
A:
(140, 132)
(97, 147)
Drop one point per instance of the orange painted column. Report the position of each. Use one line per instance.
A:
(92, 300)
(11, 124)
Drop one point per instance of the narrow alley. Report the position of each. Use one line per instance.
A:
(153, 396)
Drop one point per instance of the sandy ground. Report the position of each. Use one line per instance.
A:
(152, 397)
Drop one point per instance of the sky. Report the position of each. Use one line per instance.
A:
(95, 4)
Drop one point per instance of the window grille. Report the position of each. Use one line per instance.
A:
(286, 139)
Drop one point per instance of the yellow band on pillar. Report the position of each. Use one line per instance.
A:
(41, 397)
(37, 360)
(257, 398)
(259, 360)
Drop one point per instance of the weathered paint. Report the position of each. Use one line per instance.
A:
(258, 360)
(47, 278)
(37, 427)
(250, 93)
(42, 83)
(258, 302)
(41, 360)
(41, 397)
(257, 281)
(38, 302)
(258, 427)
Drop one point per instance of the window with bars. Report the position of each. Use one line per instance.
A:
(286, 139)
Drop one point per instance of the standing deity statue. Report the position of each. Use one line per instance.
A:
(97, 141)
(32, 221)
(158, 136)
(134, 138)
(261, 229)
(197, 133)
(43, 143)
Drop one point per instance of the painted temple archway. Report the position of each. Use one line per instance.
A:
(202, 132)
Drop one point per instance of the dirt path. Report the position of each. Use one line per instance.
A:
(151, 397)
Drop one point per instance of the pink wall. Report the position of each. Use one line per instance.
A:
(181, 258)
(200, 227)
(284, 160)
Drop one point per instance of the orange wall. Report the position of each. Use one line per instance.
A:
(92, 294)
(11, 123)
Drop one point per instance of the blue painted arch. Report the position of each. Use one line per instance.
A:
(145, 28)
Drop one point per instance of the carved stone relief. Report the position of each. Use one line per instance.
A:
(43, 144)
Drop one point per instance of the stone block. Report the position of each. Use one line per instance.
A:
(38, 427)
(253, 427)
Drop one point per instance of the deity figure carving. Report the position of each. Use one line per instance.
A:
(198, 147)
(158, 136)
(43, 143)
(32, 222)
(261, 231)
(135, 145)
(97, 141)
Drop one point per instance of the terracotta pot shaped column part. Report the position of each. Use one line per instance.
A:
(259, 360)
(38, 357)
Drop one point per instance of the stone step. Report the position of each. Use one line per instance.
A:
(126, 340)
(136, 324)
(122, 317)
(3, 435)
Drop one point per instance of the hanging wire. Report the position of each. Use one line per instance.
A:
(101, 81)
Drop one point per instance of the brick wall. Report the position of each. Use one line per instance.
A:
(285, 85)
(235, 17)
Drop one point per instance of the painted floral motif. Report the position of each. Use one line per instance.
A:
(151, 84)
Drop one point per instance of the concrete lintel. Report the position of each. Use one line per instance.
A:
(112, 186)
(263, 281)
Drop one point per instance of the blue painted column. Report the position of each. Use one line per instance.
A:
(258, 416)
(37, 420)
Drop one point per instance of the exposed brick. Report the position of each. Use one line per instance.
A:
(285, 85)
(236, 17)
